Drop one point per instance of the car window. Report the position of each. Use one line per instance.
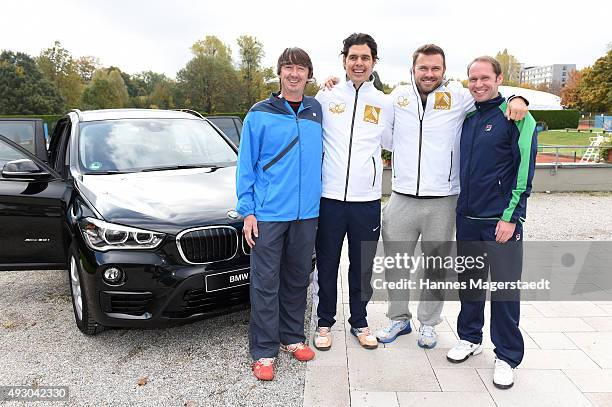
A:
(21, 132)
(227, 126)
(136, 144)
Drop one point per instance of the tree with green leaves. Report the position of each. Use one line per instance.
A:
(59, 68)
(511, 68)
(23, 88)
(106, 90)
(596, 85)
(251, 53)
(209, 82)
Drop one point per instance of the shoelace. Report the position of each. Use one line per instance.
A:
(364, 331)
(266, 361)
(428, 331)
(323, 331)
(465, 344)
(391, 327)
(501, 364)
(295, 347)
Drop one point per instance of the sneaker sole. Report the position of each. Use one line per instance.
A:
(405, 331)
(474, 353)
(363, 345)
(503, 386)
(422, 345)
(321, 348)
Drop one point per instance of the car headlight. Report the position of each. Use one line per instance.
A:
(103, 236)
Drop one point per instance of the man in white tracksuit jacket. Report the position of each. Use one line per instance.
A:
(357, 118)
(425, 184)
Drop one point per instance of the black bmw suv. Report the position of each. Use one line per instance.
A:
(138, 206)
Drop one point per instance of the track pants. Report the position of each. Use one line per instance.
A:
(281, 262)
(360, 221)
(405, 219)
(503, 264)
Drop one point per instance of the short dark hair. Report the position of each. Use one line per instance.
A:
(485, 58)
(359, 39)
(294, 56)
(429, 49)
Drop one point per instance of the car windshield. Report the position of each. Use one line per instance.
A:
(147, 144)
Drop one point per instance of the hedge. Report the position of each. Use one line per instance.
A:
(557, 119)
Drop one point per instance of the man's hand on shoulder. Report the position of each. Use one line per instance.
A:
(250, 230)
(330, 82)
(516, 109)
(504, 231)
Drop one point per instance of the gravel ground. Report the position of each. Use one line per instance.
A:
(202, 364)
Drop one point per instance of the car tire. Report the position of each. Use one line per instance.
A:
(82, 316)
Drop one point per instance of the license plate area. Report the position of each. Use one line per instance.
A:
(226, 279)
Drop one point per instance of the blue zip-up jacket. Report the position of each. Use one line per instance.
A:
(497, 163)
(279, 161)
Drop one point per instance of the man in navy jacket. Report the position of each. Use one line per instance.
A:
(496, 168)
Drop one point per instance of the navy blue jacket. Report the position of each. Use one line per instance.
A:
(279, 161)
(497, 163)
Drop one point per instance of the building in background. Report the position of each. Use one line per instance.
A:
(554, 76)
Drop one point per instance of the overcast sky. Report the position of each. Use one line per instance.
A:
(156, 35)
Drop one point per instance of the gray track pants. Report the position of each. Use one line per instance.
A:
(281, 262)
(404, 220)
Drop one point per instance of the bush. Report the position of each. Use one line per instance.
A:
(557, 119)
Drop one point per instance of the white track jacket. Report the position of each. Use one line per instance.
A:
(355, 125)
(426, 141)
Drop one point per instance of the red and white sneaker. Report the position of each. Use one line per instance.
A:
(300, 350)
(263, 369)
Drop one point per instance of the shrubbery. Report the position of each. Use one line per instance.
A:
(557, 119)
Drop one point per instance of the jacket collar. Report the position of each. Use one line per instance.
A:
(281, 103)
(491, 103)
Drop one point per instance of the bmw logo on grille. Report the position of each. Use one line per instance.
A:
(232, 214)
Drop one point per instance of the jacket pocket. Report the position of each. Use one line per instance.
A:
(280, 155)
(450, 171)
(500, 189)
(374, 165)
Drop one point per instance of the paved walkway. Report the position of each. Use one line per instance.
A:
(568, 362)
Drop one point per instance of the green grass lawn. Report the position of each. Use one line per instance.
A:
(563, 138)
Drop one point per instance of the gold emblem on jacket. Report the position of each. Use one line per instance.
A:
(403, 102)
(337, 108)
(371, 114)
(442, 101)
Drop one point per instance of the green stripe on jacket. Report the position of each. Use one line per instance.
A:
(526, 127)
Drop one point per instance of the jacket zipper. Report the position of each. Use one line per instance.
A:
(348, 167)
(297, 124)
(450, 171)
(374, 165)
(469, 167)
(420, 148)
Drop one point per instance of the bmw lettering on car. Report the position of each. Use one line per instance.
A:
(138, 207)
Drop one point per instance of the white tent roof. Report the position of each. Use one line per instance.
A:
(537, 100)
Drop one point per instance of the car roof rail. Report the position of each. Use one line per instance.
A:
(191, 111)
(78, 113)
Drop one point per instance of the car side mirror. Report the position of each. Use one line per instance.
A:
(24, 169)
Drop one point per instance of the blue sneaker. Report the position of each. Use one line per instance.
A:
(428, 338)
(396, 328)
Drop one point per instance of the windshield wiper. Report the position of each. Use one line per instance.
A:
(178, 167)
(109, 172)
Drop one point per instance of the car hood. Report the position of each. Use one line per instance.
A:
(164, 201)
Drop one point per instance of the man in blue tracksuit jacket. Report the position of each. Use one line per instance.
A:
(278, 184)
(496, 168)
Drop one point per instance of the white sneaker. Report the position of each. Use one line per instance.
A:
(393, 330)
(503, 376)
(428, 337)
(323, 338)
(462, 351)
